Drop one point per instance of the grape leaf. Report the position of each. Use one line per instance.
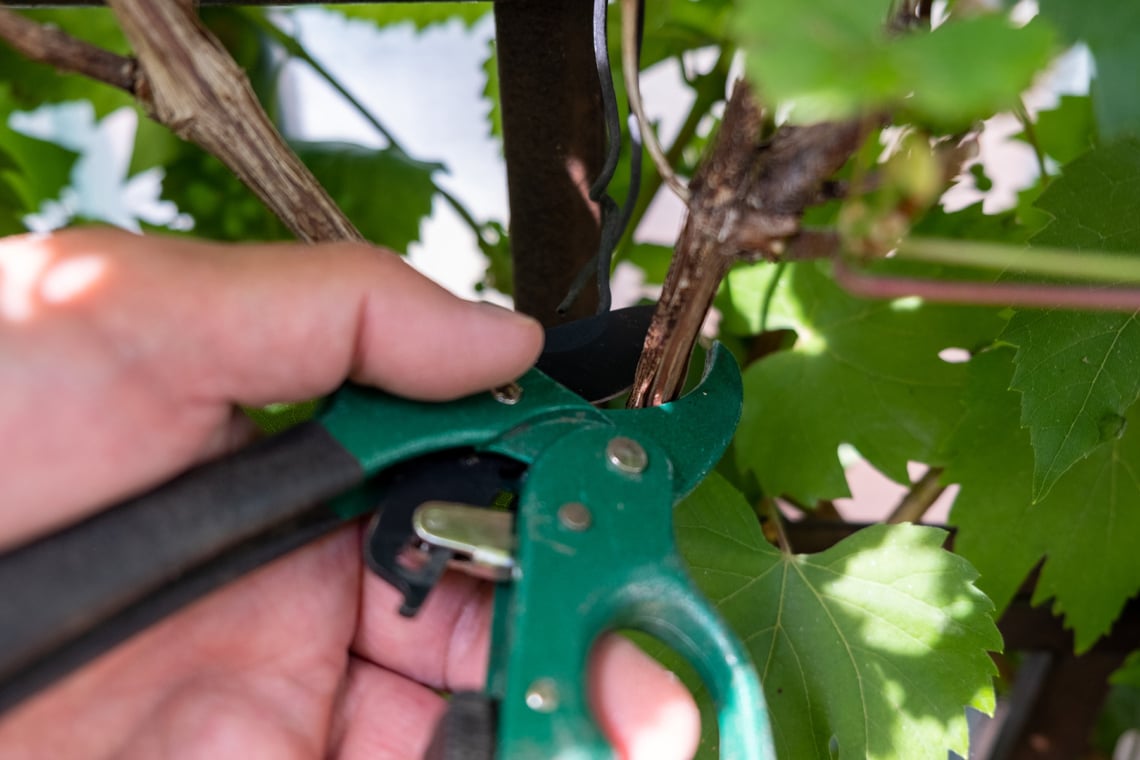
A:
(874, 646)
(491, 92)
(385, 193)
(653, 259)
(1084, 529)
(500, 271)
(1128, 674)
(1111, 29)
(1066, 131)
(1077, 369)
(866, 373)
(971, 223)
(674, 26)
(12, 206)
(835, 58)
(40, 169)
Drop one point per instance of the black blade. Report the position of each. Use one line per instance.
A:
(596, 357)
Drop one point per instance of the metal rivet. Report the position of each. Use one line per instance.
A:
(542, 696)
(627, 455)
(508, 394)
(575, 516)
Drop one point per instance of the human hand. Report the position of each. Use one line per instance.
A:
(123, 359)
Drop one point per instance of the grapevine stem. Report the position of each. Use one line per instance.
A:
(1026, 295)
(709, 89)
(629, 25)
(770, 293)
(1055, 262)
(922, 495)
(1031, 136)
(772, 512)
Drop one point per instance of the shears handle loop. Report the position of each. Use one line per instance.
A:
(596, 553)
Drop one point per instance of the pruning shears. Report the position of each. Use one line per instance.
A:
(566, 506)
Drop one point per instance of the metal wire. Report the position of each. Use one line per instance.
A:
(614, 219)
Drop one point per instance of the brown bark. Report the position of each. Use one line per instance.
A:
(52, 46)
(746, 198)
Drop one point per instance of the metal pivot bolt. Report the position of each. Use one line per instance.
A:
(509, 394)
(542, 696)
(626, 455)
(575, 516)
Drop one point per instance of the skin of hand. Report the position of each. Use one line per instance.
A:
(122, 360)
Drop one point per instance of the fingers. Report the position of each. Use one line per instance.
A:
(263, 323)
(643, 710)
(128, 352)
(383, 716)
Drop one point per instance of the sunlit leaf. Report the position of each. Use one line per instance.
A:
(865, 373)
(871, 649)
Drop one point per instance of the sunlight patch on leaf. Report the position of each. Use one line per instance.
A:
(875, 645)
(861, 373)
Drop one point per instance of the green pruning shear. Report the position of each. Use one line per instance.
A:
(565, 506)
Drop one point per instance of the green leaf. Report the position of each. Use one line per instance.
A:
(967, 69)
(971, 223)
(835, 58)
(12, 205)
(1084, 529)
(1128, 674)
(38, 170)
(652, 259)
(1068, 130)
(420, 15)
(221, 206)
(873, 647)
(866, 373)
(500, 271)
(1076, 370)
(155, 145)
(491, 92)
(385, 193)
(1111, 29)
(276, 418)
(746, 299)
(675, 26)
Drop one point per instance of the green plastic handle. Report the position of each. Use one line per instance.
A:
(595, 544)
(597, 552)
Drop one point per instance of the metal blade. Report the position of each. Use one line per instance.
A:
(596, 357)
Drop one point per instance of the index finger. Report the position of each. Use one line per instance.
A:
(128, 352)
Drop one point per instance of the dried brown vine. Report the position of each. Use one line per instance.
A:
(747, 198)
